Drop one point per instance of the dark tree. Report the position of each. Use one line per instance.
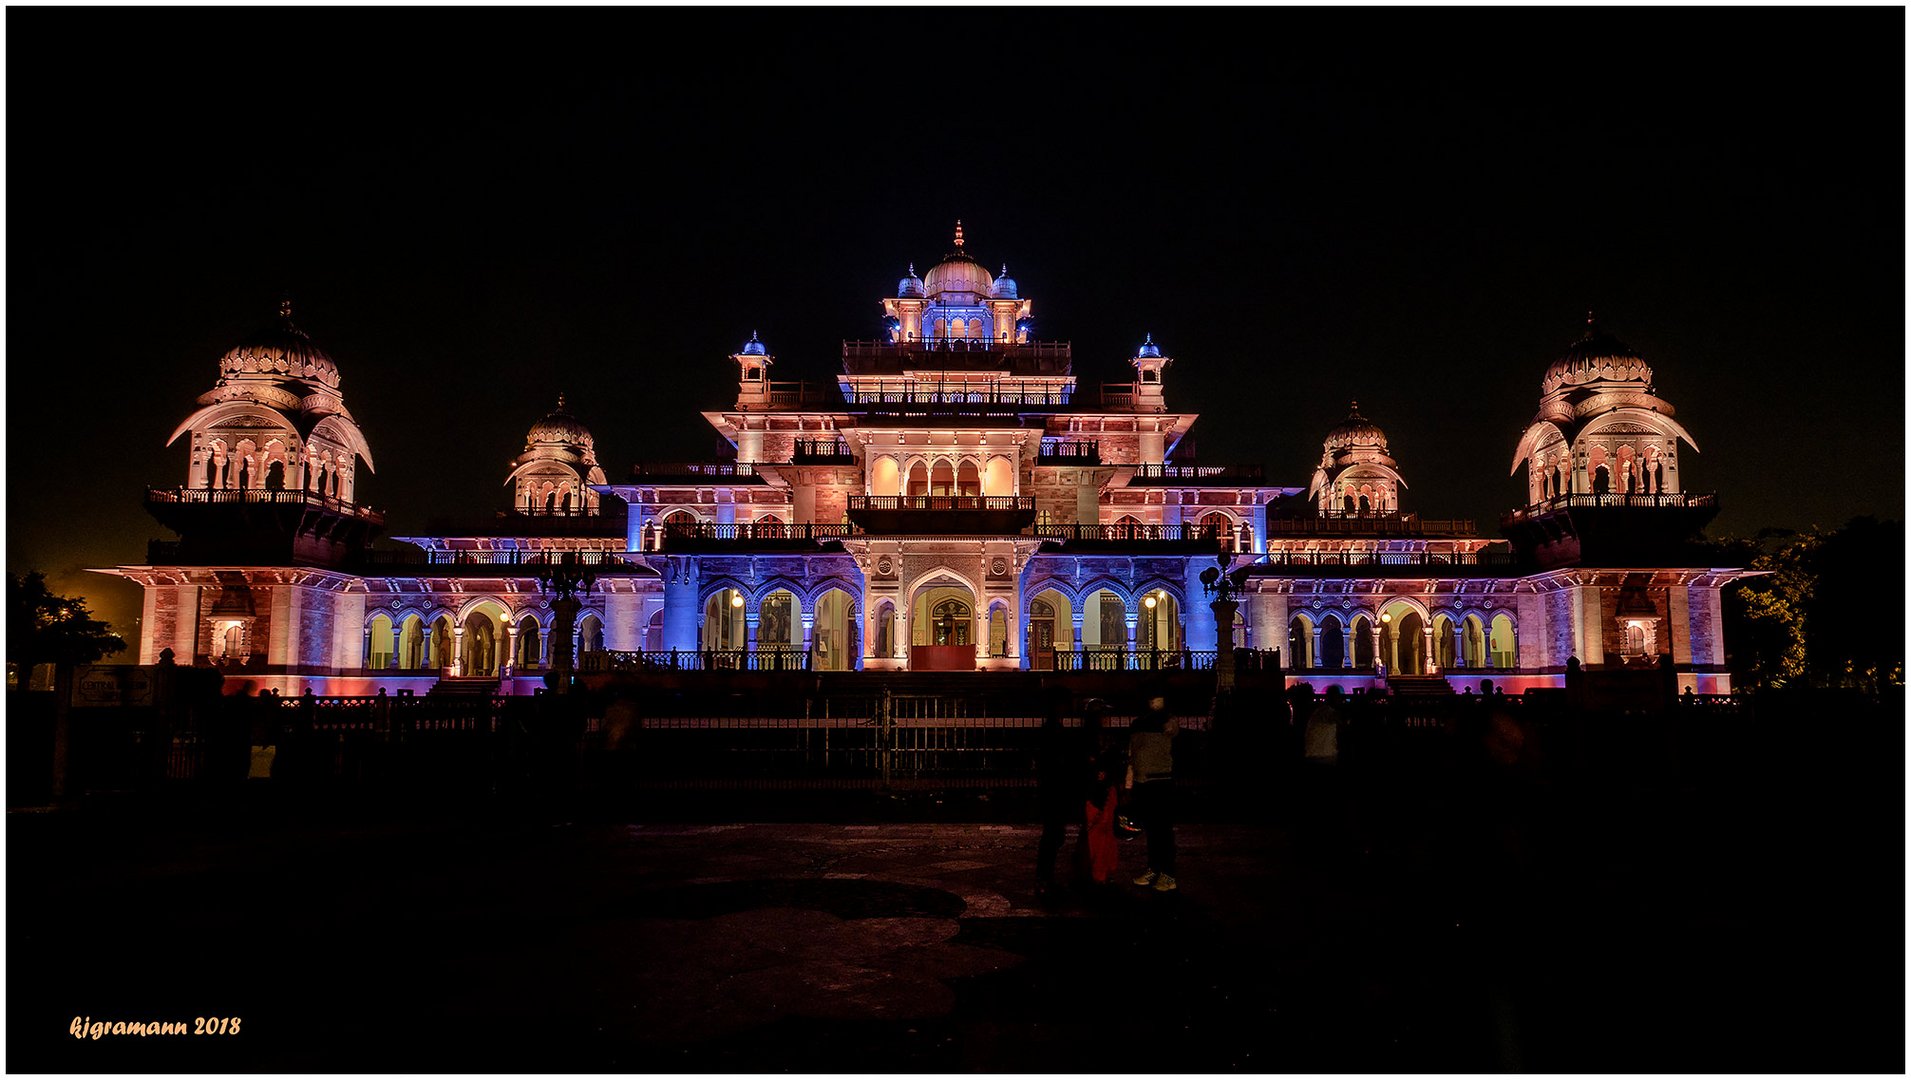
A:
(44, 627)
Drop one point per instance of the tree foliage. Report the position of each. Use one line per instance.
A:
(44, 627)
(1825, 613)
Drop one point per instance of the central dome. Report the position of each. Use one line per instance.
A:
(280, 350)
(1596, 357)
(958, 274)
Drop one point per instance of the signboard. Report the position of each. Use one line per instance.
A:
(112, 684)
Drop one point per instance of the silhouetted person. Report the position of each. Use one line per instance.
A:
(1150, 775)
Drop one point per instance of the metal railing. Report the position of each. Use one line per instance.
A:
(942, 396)
(709, 660)
(1369, 560)
(941, 502)
(860, 350)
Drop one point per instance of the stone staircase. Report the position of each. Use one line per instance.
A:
(464, 686)
(1419, 686)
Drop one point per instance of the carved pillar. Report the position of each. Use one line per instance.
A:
(564, 629)
(809, 633)
(1375, 630)
(367, 661)
(1223, 643)
(457, 651)
(1430, 667)
(425, 658)
(509, 667)
(1315, 657)
(544, 646)
(1347, 645)
(752, 616)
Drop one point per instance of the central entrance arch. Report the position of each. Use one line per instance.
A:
(942, 626)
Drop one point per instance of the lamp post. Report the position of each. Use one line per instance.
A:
(566, 575)
(1226, 586)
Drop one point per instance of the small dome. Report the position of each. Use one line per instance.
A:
(753, 347)
(280, 350)
(1596, 357)
(1356, 431)
(1149, 350)
(558, 426)
(1004, 287)
(910, 287)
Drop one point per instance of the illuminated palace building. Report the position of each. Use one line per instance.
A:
(953, 501)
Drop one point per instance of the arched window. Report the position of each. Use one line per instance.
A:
(975, 328)
(918, 480)
(1505, 649)
(1300, 643)
(942, 328)
(968, 479)
(1112, 621)
(1363, 643)
(1333, 643)
(942, 478)
(1351, 504)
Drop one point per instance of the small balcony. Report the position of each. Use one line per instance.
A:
(1061, 452)
(958, 354)
(1369, 524)
(1613, 501)
(822, 452)
(991, 515)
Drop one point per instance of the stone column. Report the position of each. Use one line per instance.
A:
(1223, 643)
(1131, 617)
(809, 633)
(752, 616)
(1430, 667)
(1347, 644)
(367, 662)
(509, 667)
(1316, 656)
(1378, 658)
(457, 650)
(425, 654)
(564, 629)
(544, 646)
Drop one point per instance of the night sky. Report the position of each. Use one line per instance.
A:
(475, 209)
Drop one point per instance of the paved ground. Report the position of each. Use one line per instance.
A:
(1612, 932)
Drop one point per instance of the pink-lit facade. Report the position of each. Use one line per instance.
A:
(954, 500)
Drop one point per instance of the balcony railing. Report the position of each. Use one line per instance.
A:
(261, 496)
(1135, 660)
(1118, 395)
(958, 354)
(1345, 524)
(946, 397)
(1680, 500)
(1388, 563)
(822, 452)
(1058, 452)
(1198, 475)
(762, 531)
(528, 562)
(709, 660)
(694, 470)
(1185, 532)
(941, 502)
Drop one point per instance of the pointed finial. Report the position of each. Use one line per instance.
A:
(285, 306)
(958, 232)
(912, 269)
(1353, 407)
(560, 401)
(1005, 270)
(1147, 339)
(753, 335)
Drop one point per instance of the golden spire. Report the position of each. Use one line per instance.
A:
(958, 232)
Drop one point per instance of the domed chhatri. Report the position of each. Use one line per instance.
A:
(753, 347)
(1601, 429)
(957, 301)
(1356, 474)
(275, 420)
(559, 463)
(1148, 347)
